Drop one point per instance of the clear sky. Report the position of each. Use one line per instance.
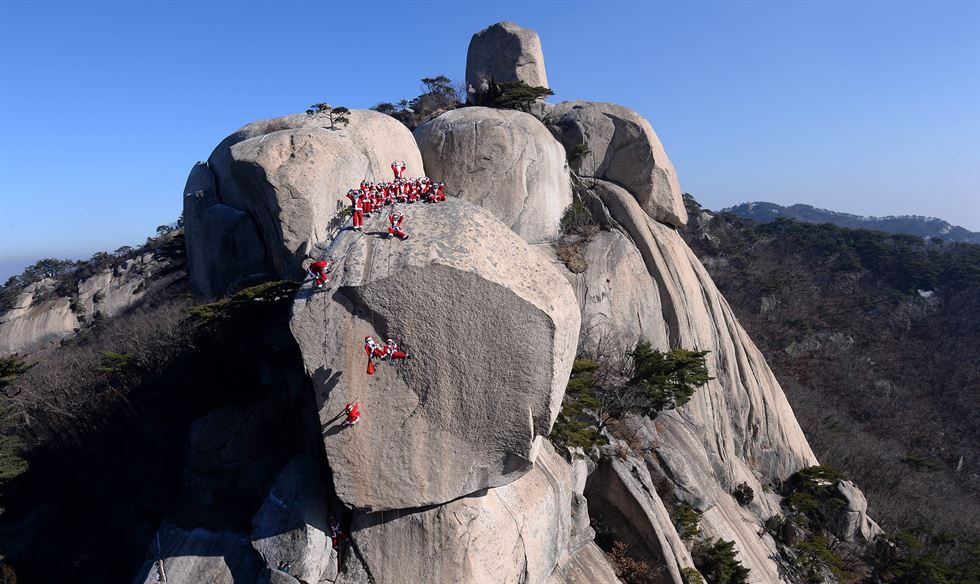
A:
(862, 107)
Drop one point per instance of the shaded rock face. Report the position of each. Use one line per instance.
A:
(291, 526)
(30, 327)
(277, 184)
(624, 150)
(503, 160)
(200, 555)
(511, 534)
(504, 52)
(224, 248)
(622, 493)
(486, 375)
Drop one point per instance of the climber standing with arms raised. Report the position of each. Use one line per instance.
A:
(398, 167)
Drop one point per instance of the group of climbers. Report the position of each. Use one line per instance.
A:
(371, 197)
(365, 201)
(386, 352)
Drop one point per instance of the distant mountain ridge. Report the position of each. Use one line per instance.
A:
(908, 224)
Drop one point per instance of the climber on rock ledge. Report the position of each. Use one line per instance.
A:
(318, 270)
(395, 221)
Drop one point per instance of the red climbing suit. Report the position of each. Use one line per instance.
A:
(318, 270)
(357, 209)
(395, 226)
(398, 167)
(353, 414)
(437, 191)
(391, 350)
(373, 350)
(367, 203)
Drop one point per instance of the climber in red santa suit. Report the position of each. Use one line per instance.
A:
(398, 167)
(379, 196)
(438, 191)
(395, 221)
(414, 190)
(403, 190)
(374, 351)
(366, 186)
(357, 209)
(318, 270)
(391, 351)
(366, 203)
(353, 414)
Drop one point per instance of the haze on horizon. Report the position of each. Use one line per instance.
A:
(870, 108)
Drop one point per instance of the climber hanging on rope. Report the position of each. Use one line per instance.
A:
(391, 351)
(395, 221)
(353, 414)
(398, 167)
(336, 534)
(318, 270)
(374, 351)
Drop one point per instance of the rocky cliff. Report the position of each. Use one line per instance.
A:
(449, 477)
(55, 308)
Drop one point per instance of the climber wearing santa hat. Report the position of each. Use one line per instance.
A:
(398, 167)
(395, 221)
(366, 203)
(391, 351)
(357, 209)
(404, 188)
(353, 414)
(318, 270)
(373, 350)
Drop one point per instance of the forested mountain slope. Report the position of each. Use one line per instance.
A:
(874, 338)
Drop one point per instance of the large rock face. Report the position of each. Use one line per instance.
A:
(492, 331)
(504, 52)
(277, 185)
(624, 150)
(503, 160)
(738, 428)
(512, 534)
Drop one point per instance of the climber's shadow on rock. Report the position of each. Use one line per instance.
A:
(378, 234)
(324, 380)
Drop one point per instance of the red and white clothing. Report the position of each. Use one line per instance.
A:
(318, 270)
(398, 167)
(353, 414)
(395, 221)
(374, 351)
(366, 204)
(392, 352)
(357, 209)
(438, 191)
(403, 191)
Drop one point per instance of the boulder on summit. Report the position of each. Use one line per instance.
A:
(492, 329)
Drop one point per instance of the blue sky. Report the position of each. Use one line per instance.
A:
(863, 107)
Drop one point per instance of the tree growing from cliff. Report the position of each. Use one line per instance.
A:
(336, 115)
(665, 381)
(516, 95)
(642, 381)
